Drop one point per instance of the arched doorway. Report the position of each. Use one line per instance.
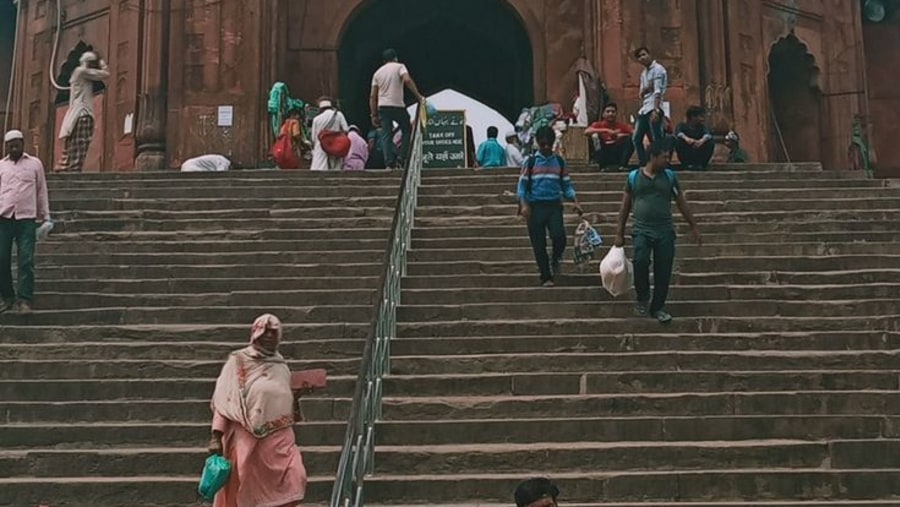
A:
(796, 101)
(7, 41)
(478, 47)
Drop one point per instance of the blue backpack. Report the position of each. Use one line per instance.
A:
(633, 176)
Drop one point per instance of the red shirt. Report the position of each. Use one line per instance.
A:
(610, 138)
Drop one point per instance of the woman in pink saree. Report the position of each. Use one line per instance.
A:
(253, 416)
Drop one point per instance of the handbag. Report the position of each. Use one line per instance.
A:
(215, 475)
(334, 142)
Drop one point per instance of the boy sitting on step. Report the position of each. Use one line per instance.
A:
(543, 184)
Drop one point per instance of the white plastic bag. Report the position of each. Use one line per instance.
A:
(43, 232)
(616, 272)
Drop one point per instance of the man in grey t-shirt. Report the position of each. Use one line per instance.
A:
(387, 106)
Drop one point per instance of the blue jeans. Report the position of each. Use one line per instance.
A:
(643, 128)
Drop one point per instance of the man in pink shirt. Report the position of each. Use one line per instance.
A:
(23, 206)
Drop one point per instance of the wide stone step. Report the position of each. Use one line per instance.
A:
(589, 278)
(811, 264)
(522, 251)
(271, 190)
(135, 462)
(501, 294)
(517, 228)
(337, 347)
(826, 377)
(695, 308)
(462, 208)
(262, 257)
(583, 363)
(628, 325)
(146, 411)
(273, 272)
(723, 195)
(134, 287)
(260, 174)
(326, 236)
(89, 204)
(144, 434)
(227, 214)
(742, 503)
(76, 245)
(150, 369)
(509, 218)
(175, 315)
(695, 485)
(868, 402)
(162, 491)
(87, 300)
(234, 334)
(478, 431)
(500, 187)
(216, 224)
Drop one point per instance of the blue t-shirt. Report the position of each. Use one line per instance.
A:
(491, 154)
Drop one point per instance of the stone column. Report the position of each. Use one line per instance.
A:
(152, 96)
(715, 78)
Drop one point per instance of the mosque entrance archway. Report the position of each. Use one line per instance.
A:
(796, 101)
(478, 47)
(8, 16)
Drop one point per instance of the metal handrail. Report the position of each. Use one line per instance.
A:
(358, 453)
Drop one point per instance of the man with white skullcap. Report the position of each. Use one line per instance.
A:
(24, 205)
(78, 125)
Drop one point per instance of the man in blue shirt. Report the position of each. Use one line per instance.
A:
(490, 153)
(649, 192)
(542, 186)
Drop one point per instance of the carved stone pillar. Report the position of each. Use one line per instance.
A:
(715, 78)
(152, 106)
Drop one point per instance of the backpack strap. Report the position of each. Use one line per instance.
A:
(632, 179)
(670, 175)
(529, 167)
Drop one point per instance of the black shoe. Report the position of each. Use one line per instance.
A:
(7, 305)
(640, 309)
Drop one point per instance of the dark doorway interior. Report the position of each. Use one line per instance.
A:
(477, 47)
(797, 102)
(7, 36)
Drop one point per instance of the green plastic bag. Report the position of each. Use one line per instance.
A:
(215, 476)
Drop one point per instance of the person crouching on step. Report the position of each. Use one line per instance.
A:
(543, 184)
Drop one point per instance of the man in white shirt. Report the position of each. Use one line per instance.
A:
(654, 81)
(514, 156)
(78, 125)
(387, 106)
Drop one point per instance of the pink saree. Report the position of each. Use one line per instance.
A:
(253, 408)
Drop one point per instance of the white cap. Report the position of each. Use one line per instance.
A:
(511, 134)
(13, 135)
(325, 104)
(88, 56)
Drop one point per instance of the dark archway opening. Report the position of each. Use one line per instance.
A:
(7, 41)
(477, 47)
(68, 67)
(796, 101)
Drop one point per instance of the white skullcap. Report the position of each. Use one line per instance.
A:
(324, 104)
(510, 134)
(732, 136)
(13, 135)
(88, 56)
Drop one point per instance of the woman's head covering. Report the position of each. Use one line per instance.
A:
(265, 323)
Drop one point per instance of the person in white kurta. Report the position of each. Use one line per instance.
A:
(329, 118)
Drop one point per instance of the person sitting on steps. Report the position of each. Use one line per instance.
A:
(693, 140)
(649, 192)
(611, 140)
(543, 184)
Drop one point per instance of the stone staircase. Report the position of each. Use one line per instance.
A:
(147, 283)
(776, 386)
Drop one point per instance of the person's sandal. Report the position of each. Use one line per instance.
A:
(663, 317)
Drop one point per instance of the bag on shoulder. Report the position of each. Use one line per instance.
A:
(334, 142)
